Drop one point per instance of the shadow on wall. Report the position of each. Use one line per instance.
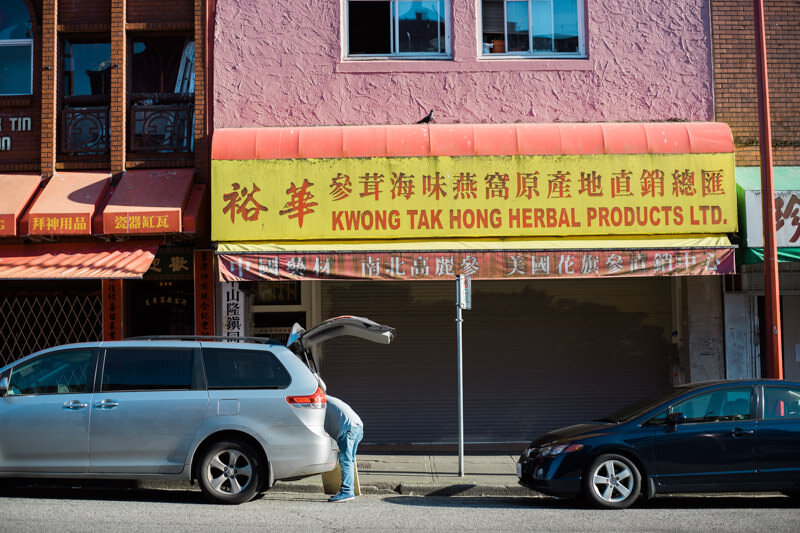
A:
(537, 355)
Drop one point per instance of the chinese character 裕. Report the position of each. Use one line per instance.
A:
(243, 202)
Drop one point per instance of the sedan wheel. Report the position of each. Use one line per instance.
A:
(612, 481)
(230, 472)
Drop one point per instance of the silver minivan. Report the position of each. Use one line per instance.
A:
(235, 416)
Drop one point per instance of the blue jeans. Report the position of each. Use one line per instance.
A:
(348, 443)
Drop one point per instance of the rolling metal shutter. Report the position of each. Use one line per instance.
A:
(537, 355)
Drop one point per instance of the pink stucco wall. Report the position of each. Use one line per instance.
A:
(278, 63)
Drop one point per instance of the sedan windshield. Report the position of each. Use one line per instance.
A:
(636, 409)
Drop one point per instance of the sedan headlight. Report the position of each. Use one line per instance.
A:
(558, 449)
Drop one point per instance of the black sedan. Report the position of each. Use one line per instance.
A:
(721, 436)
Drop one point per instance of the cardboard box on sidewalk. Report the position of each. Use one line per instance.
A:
(332, 481)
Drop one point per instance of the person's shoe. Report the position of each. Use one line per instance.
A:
(341, 497)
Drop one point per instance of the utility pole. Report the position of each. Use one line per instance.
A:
(772, 311)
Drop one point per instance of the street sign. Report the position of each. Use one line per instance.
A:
(464, 296)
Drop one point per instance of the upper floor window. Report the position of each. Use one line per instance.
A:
(87, 67)
(397, 28)
(540, 28)
(86, 89)
(161, 113)
(16, 48)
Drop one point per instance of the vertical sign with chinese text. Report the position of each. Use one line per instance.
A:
(112, 309)
(204, 292)
(232, 312)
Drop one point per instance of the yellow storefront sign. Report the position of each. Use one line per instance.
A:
(498, 196)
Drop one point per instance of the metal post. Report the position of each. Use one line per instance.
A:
(772, 314)
(460, 390)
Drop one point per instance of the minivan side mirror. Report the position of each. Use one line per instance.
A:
(3, 386)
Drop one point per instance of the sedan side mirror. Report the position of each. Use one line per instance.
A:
(675, 418)
(3, 386)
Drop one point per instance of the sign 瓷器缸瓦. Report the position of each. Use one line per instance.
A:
(492, 196)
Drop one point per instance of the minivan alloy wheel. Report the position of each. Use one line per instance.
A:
(230, 472)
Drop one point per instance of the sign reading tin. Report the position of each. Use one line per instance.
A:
(443, 196)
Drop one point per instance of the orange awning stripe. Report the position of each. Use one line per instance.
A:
(422, 140)
(76, 260)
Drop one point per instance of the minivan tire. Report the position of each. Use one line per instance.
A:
(230, 472)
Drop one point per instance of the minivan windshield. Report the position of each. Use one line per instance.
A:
(642, 406)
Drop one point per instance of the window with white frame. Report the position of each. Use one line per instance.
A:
(16, 48)
(539, 28)
(397, 28)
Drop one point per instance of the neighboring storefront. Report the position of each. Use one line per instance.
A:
(103, 172)
(744, 301)
(84, 259)
(591, 247)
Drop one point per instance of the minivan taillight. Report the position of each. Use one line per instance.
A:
(315, 401)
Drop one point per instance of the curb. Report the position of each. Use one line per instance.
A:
(387, 488)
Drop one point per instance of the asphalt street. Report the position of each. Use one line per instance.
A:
(39, 509)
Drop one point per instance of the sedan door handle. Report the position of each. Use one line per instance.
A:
(738, 432)
(106, 404)
(75, 405)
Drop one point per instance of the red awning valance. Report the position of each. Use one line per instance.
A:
(76, 260)
(400, 260)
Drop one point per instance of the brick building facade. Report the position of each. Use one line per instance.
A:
(736, 103)
(103, 166)
(735, 77)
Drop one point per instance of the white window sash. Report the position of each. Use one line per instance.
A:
(394, 31)
(581, 52)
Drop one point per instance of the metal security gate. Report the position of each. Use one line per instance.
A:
(33, 321)
(537, 355)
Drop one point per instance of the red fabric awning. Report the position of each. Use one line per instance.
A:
(16, 191)
(149, 201)
(76, 260)
(67, 204)
(421, 140)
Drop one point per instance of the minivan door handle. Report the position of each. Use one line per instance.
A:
(75, 405)
(739, 432)
(106, 404)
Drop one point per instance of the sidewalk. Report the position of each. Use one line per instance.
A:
(427, 475)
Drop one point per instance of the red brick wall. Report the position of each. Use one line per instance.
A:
(84, 12)
(173, 11)
(735, 85)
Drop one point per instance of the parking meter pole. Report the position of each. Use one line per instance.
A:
(460, 395)
(462, 302)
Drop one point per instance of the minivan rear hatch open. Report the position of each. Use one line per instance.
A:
(302, 341)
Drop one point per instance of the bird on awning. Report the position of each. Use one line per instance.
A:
(427, 118)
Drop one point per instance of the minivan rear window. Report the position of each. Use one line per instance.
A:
(244, 369)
